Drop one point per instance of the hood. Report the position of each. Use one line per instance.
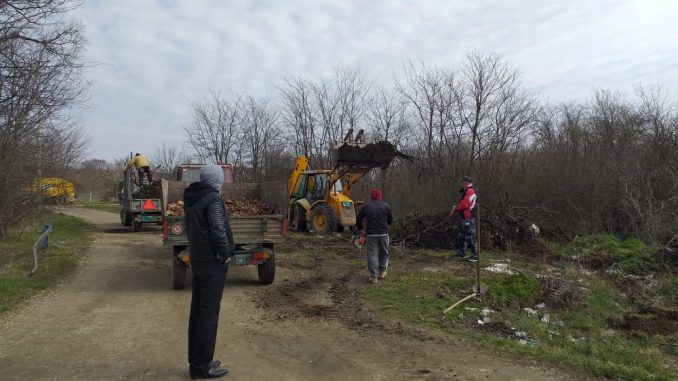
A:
(196, 191)
(213, 175)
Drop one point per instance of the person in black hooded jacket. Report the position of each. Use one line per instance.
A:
(210, 242)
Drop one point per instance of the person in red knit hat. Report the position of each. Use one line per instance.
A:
(378, 215)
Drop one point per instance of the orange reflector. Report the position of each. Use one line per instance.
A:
(148, 205)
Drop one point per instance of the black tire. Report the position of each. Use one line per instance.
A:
(125, 218)
(266, 270)
(178, 270)
(136, 226)
(300, 218)
(323, 219)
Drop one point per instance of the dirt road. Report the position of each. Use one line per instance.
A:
(117, 318)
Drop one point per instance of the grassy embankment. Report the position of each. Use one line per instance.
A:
(618, 323)
(100, 205)
(68, 242)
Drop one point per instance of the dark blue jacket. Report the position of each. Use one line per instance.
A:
(378, 216)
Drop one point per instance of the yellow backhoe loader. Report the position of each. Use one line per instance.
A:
(319, 200)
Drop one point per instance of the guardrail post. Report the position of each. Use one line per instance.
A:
(43, 239)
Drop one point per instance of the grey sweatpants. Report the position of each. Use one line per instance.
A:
(377, 254)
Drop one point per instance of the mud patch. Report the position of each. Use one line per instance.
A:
(651, 320)
(558, 292)
(498, 328)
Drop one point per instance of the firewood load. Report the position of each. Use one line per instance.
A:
(248, 207)
(238, 207)
(175, 209)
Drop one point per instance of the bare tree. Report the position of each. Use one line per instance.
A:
(486, 81)
(214, 133)
(260, 133)
(386, 115)
(168, 157)
(299, 116)
(40, 81)
(428, 93)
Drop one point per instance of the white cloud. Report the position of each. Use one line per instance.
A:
(156, 57)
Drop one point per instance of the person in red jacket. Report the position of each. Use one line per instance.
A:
(467, 225)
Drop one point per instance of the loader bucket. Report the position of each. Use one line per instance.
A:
(370, 155)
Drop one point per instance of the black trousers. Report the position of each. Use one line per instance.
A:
(208, 287)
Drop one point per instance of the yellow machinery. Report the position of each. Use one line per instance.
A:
(319, 199)
(57, 189)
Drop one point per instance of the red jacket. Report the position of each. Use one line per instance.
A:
(467, 203)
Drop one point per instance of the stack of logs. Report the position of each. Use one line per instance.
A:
(175, 208)
(240, 207)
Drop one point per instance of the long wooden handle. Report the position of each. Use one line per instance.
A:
(459, 302)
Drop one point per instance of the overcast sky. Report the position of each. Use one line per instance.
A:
(153, 58)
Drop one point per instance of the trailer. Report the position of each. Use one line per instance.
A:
(255, 236)
(139, 205)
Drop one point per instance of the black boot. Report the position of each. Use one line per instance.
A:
(211, 373)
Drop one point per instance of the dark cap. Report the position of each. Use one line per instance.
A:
(467, 179)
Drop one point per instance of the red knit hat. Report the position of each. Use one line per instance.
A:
(375, 194)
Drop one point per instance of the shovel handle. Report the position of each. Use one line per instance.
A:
(459, 302)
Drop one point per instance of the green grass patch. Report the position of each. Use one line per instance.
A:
(580, 337)
(99, 205)
(70, 239)
(519, 290)
(631, 255)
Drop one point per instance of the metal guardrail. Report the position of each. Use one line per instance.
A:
(44, 238)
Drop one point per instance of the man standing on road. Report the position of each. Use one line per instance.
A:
(379, 217)
(211, 243)
(467, 226)
(140, 162)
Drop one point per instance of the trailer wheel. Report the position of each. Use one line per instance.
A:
(323, 219)
(300, 218)
(136, 226)
(125, 218)
(178, 270)
(266, 270)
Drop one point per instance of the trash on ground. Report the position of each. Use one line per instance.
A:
(530, 311)
(500, 268)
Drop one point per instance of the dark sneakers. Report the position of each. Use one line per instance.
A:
(214, 372)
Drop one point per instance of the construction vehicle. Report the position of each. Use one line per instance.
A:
(319, 200)
(58, 190)
(139, 202)
(254, 236)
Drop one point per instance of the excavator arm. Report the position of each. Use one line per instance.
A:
(300, 166)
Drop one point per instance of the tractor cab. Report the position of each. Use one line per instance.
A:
(311, 185)
(191, 172)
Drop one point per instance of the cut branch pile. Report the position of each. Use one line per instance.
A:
(248, 207)
(440, 231)
(239, 207)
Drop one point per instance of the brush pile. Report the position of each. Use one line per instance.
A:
(440, 231)
(239, 207)
(248, 207)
